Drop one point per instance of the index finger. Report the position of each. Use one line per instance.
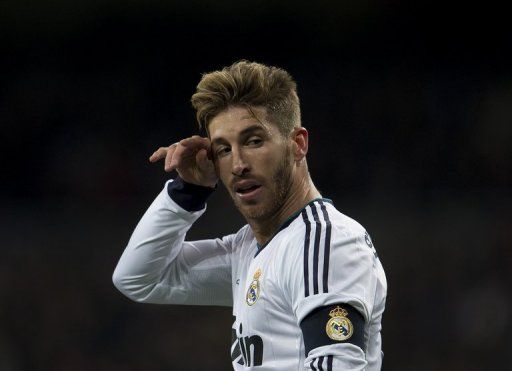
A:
(158, 154)
(196, 143)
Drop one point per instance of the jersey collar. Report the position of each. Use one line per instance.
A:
(289, 221)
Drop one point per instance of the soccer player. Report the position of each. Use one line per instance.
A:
(304, 280)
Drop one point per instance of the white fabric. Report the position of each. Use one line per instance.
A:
(158, 266)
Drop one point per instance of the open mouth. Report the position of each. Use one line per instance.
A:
(248, 189)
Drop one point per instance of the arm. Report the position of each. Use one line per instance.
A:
(158, 266)
(335, 316)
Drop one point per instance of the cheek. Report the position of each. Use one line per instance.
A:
(223, 170)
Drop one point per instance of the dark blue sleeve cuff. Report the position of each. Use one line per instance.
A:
(190, 197)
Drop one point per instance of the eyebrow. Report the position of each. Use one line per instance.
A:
(248, 130)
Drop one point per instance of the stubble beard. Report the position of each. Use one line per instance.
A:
(281, 180)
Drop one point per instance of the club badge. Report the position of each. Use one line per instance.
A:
(339, 327)
(253, 293)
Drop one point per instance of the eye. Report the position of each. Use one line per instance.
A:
(222, 150)
(254, 141)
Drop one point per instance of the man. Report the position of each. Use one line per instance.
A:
(305, 283)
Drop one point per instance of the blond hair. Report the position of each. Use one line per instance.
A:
(249, 84)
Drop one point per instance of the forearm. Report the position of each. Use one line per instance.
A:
(336, 357)
(154, 247)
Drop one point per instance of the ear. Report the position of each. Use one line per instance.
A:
(300, 143)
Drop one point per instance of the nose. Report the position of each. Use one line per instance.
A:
(239, 166)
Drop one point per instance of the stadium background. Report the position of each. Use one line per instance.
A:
(409, 108)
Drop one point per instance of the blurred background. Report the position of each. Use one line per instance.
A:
(409, 109)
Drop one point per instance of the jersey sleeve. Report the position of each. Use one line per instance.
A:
(332, 284)
(159, 266)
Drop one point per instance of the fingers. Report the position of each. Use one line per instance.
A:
(195, 143)
(158, 154)
(184, 149)
(202, 159)
(168, 163)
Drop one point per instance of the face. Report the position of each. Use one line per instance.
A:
(253, 159)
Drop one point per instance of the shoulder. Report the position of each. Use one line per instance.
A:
(320, 238)
(350, 243)
(245, 232)
(347, 229)
(326, 236)
(332, 259)
(241, 238)
(320, 222)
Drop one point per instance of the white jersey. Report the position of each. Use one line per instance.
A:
(311, 298)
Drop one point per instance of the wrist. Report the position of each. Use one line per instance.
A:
(211, 183)
(189, 196)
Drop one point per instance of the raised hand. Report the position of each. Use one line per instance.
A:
(189, 157)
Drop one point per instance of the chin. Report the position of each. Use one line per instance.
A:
(253, 213)
(257, 211)
(250, 211)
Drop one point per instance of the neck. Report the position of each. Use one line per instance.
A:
(300, 194)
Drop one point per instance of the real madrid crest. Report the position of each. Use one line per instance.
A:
(253, 293)
(339, 327)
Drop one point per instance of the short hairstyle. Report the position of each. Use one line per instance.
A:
(248, 84)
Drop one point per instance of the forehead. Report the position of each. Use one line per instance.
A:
(236, 120)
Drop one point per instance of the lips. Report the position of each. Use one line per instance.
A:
(247, 190)
(246, 186)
